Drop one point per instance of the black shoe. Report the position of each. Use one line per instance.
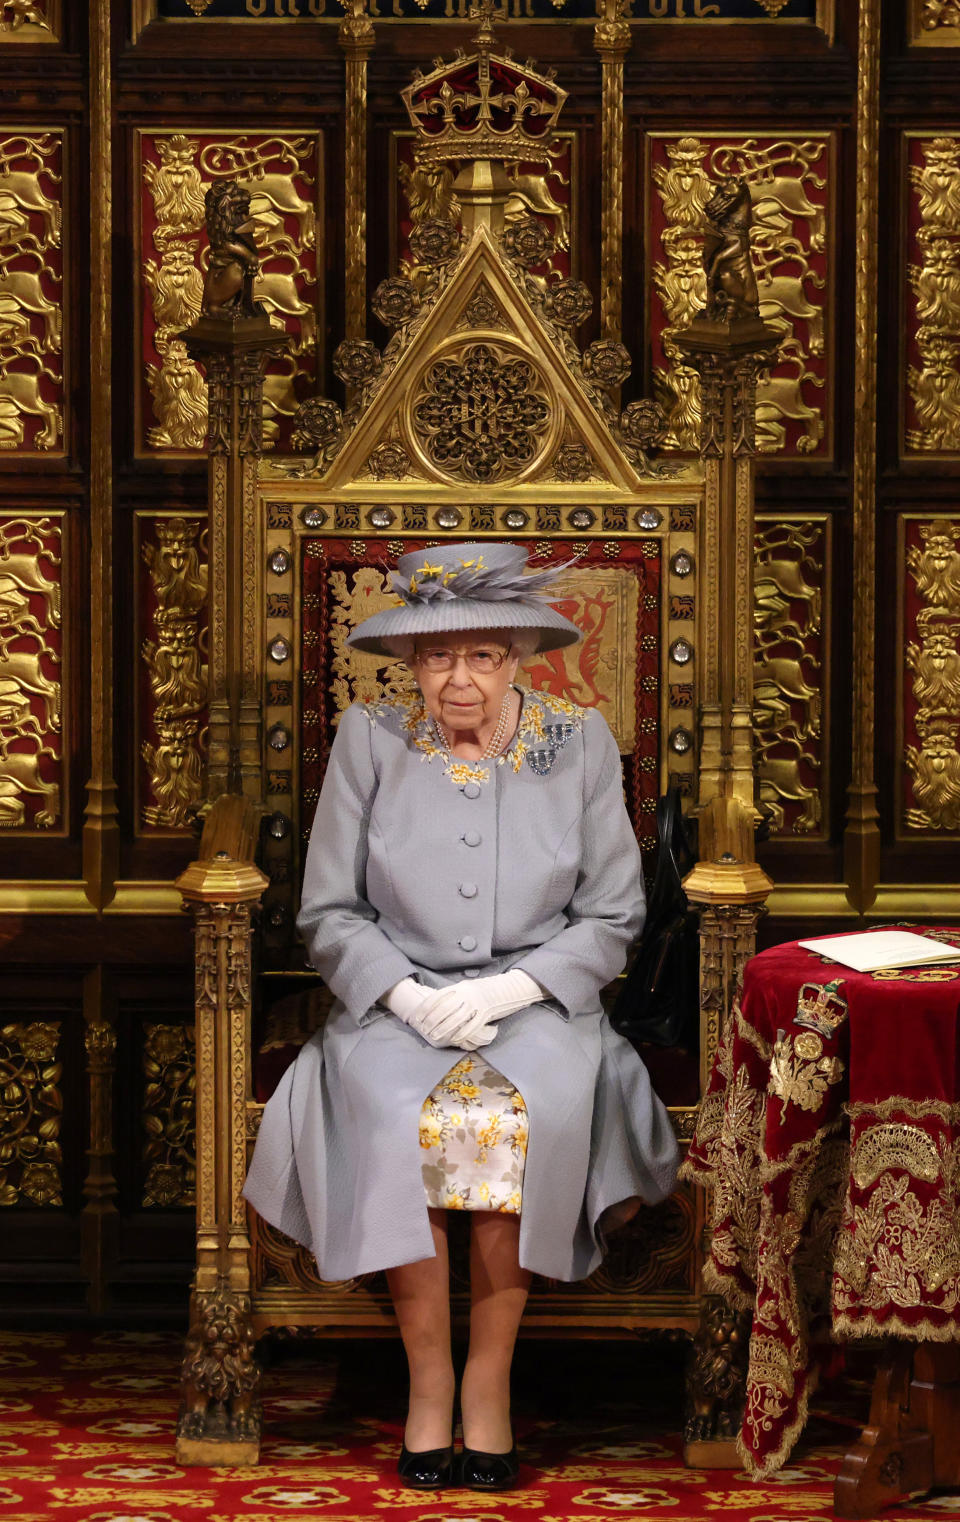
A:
(488, 1471)
(430, 1470)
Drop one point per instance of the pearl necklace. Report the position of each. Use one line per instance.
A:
(494, 744)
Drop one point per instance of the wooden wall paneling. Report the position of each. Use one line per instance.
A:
(101, 831)
(42, 1123)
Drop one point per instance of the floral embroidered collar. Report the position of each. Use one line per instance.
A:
(546, 724)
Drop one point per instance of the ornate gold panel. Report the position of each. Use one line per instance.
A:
(30, 1108)
(932, 326)
(32, 665)
(791, 672)
(928, 777)
(32, 273)
(283, 172)
(791, 183)
(169, 1115)
(935, 23)
(171, 624)
(31, 21)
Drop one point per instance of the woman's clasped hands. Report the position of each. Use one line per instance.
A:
(464, 1014)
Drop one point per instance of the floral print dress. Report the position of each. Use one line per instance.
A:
(473, 1134)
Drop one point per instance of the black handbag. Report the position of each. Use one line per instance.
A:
(659, 1001)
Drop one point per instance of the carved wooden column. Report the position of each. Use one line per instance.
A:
(233, 339)
(356, 38)
(100, 1221)
(861, 841)
(219, 1420)
(726, 344)
(611, 38)
(101, 830)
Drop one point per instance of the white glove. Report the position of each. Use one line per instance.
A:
(466, 1012)
(438, 1014)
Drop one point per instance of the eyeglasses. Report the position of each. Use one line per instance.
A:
(482, 662)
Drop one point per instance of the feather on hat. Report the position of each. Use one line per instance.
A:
(456, 588)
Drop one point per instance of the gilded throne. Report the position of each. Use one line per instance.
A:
(482, 418)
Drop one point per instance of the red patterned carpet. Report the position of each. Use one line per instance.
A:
(86, 1432)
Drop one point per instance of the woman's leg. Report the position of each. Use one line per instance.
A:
(421, 1299)
(498, 1294)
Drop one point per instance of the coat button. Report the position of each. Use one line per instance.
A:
(468, 890)
(471, 972)
(472, 838)
(467, 943)
(471, 790)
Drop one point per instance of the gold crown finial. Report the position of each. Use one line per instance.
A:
(486, 13)
(483, 105)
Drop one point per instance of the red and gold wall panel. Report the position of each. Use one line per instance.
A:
(32, 665)
(546, 192)
(284, 175)
(932, 296)
(929, 790)
(791, 180)
(32, 298)
(791, 673)
(171, 624)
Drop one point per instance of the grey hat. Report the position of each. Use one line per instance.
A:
(453, 588)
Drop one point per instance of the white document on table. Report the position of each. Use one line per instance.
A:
(871, 950)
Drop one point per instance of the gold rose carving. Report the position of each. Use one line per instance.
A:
(169, 1115)
(30, 719)
(788, 182)
(933, 385)
(177, 672)
(281, 175)
(30, 1107)
(31, 293)
(933, 657)
(787, 678)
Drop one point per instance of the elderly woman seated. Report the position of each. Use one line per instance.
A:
(472, 882)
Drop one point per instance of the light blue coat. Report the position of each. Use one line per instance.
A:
(421, 866)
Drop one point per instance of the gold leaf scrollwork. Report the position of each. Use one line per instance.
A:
(31, 370)
(30, 1107)
(933, 386)
(799, 1075)
(278, 173)
(787, 181)
(934, 658)
(787, 674)
(30, 720)
(169, 1115)
(177, 672)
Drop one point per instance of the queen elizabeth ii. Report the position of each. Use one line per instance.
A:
(472, 883)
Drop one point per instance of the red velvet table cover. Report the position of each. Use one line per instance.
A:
(830, 1139)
